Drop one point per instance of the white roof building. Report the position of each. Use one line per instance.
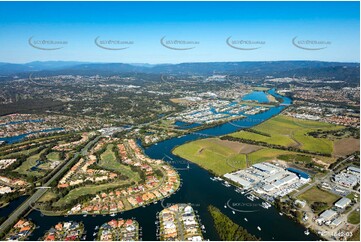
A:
(188, 209)
(169, 225)
(268, 187)
(343, 202)
(196, 238)
(353, 169)
(347, 179)
(289, 178)
(274, 177)
(265, 168)
(300, 202)
(327, 215)
(236, 178)
(336, 222)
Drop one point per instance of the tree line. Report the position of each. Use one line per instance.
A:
(227, 229)
(273, 146)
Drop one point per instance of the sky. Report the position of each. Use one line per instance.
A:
(256, 31)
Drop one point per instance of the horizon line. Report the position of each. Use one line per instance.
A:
(177, 63)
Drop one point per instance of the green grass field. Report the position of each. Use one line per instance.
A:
(26, 165)
(354, 218)
(224, 157)
(86, 190)
(291, 132)
(53, 156)
(267, 154)
(317, 195)
(108, 161)
(353, 197)
(48, 196)
(212, 156)
(22, 152)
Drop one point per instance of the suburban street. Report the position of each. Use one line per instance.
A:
(41, 191)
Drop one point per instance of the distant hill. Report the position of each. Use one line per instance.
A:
(13, 69)
(314, 69)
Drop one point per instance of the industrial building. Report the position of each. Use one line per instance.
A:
(336, 222)
(327, 215)
(300, 174)
(353, 169)
(348, 178)
(269, 179)
(343, 203)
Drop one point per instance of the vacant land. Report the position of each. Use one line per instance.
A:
(223, 156)
(354, 218)
(271, 98)
(179, 100)
(267, 154)
(260, 88)
(317, 195)
(215, 155)
(355, 235)
(346, 146)
(290, 132)
(48, 196)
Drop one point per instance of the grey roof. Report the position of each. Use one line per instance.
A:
(354, 169)
(264, 167)
(328, 214)
(336, 221)
(342, 202)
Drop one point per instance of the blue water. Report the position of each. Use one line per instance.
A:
(260, 97)
(24, 121)
(184, 125)
(5, 211)
(197, 189)
(18, 138)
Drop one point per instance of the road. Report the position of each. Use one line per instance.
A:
(325, 178)
(328, 232)
(40, 192)
(348, 158)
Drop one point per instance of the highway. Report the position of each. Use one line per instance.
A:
(41, 191)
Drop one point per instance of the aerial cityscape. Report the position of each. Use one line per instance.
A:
(129, 121)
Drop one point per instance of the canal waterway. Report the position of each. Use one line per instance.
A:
(200, 191)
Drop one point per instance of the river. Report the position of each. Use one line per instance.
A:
(20, 137)
(198, 189)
